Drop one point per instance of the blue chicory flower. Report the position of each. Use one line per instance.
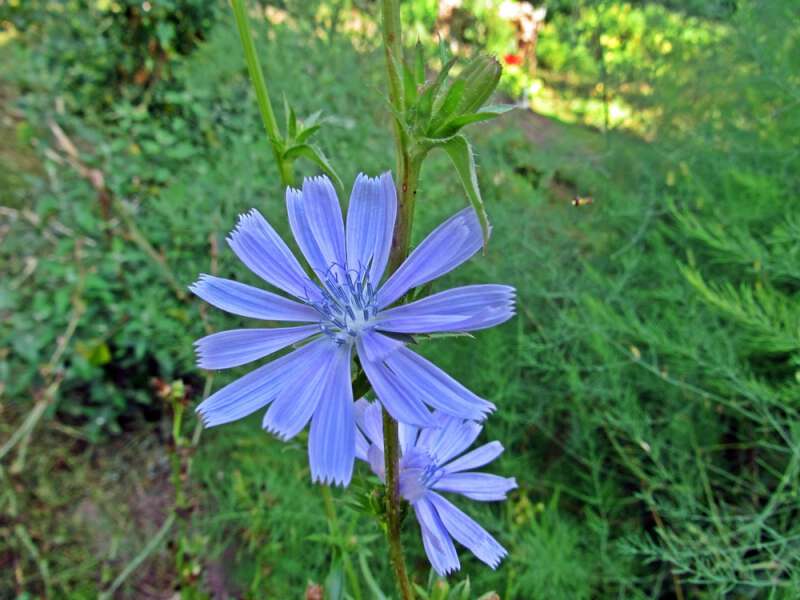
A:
(347, 310)
(428, 465)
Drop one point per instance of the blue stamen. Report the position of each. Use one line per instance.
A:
(347, 304)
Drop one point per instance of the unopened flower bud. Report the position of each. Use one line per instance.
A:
(480, 76)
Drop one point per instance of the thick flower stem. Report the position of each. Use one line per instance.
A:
(407, 174)
(391, 454)
(262, 94)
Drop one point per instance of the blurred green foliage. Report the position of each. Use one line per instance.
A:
(648, 389)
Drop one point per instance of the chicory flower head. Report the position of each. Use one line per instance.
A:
(428, 465)
(345, 310)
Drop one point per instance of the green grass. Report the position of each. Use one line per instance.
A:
(647, 389)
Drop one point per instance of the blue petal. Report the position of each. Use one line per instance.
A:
(377, 347)
(377, 462)
(484, 487)
(316, 220)
(408, 436)
(240, 346)
(362, 446)
(438, 545)
(301, 230)
(259, 247)
(429, 383)
(460, 309)
(449, 245)
(332, 439)
(478, 457)
(258, 388)
(403, 405)
(247, 301)
(449, 438)
(467, 532)
(370, 420)
(370, 224)
(294, 406)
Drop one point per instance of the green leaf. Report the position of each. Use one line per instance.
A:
(444, 51)
(431, 92)
(372, 585)
(440, 589)
(453, 125)
(421, 591)
(292, 128)
(314, 118)
(409, 85)
(291, 119)
(317, 156)
(449, 105)
(334, 583)
(460, 152)
(286, 115)
(497, 109)
(419, 63)
(306, 133)
(461, 591)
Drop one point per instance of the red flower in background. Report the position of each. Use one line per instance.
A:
(512, 59)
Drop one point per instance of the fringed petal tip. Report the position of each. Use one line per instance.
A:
(317, 180)
(244, 222)
(201, 358)
(485, 411)
(203, 416)
(331, 479)
(448, 570)
(197, 286)
(497, 559)
(276, 431)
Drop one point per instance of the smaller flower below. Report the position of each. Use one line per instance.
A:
(428, 465)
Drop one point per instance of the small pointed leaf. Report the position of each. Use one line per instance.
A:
(431, 92)
(419, 63)
(286, 113)
(409, 85)
(460, 152)
(306, 133)
(462, 590)
(292, 130)
(444, 52)
(317, 156)
(453, 125)
(314, 118)
(291, 119)
(448, 105)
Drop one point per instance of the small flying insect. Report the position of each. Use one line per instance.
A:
(582, 201)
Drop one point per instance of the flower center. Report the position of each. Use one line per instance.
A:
(418, 472)
(347, 305)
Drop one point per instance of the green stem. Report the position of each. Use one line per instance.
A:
(391, 448)
(409, 168)
(407, 173)
(393, 50)
(333, 525)
(262, 95)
